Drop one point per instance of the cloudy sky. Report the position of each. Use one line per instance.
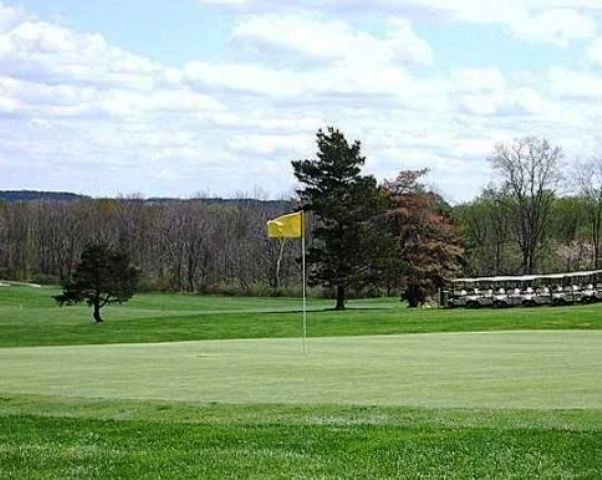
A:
(177, 97)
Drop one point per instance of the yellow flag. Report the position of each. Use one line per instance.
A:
(286, 226)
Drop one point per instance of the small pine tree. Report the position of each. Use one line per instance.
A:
(103, 276)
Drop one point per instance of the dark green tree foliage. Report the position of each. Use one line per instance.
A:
(105, 275)
(345, 204)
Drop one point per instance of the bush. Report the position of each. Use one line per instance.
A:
(151, 283)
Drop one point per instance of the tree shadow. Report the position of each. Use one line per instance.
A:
(331, 309)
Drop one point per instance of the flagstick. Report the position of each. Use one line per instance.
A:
(304, 287)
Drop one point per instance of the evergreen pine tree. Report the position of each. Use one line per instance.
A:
(104, 276)
(345, 204)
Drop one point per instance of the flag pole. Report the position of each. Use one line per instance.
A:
(304, 284)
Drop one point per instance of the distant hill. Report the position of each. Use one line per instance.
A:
(222, 201)
(32, 195)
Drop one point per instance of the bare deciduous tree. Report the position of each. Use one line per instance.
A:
(588, 179)
(530, 175)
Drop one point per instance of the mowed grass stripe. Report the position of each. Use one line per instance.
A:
(28, 316)
(545, 369)
(162, 411)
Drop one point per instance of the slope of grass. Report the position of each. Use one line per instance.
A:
(102, 439)
(28, 316)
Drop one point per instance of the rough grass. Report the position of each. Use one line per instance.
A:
(28, 316)
(48, 438)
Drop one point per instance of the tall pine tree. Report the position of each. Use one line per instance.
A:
(345, 204)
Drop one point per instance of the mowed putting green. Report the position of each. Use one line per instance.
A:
(521, 369)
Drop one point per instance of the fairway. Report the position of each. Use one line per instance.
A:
(544, 369)
(29, 317)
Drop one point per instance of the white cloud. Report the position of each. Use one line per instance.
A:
(560, 26)
(36, 50)
(160, 101)
(347, 61)
(543, 21)
(263, 144)
(241, 78)
(336, 79)
(9, 16)
(324, 38)
(594, 52)
(485, 92)
(478, 80)
(405, 44)
(568, 83)
(523, 101)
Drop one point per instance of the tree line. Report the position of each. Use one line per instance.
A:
(396, 237)
(527, 222)
(179, 245)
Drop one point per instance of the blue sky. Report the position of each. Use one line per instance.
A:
(168, 31)
(178, 97)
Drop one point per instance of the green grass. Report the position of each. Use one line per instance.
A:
(53, 438)
(152, 394)
(485, 370)
(28, 316)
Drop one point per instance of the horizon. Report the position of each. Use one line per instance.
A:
(138, 196)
